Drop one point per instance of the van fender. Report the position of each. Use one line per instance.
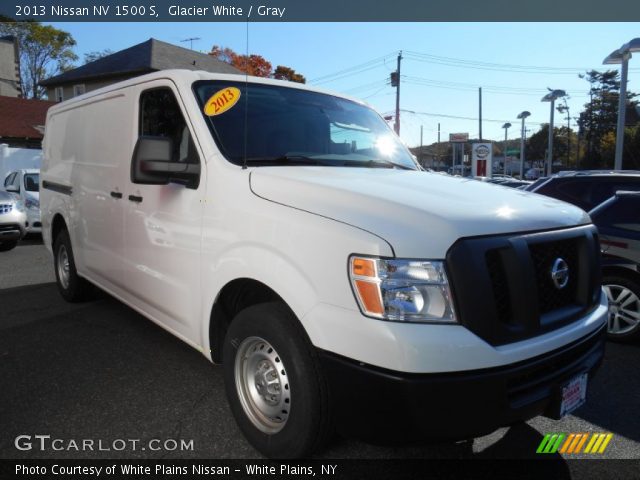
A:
(265, 265)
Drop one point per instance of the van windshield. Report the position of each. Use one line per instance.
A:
(290, 126)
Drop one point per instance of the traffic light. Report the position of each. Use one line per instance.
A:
(394, 79)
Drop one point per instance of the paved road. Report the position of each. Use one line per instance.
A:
(99, 370)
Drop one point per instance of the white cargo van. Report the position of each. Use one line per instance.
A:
(288, 234)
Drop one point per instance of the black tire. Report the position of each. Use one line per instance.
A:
(306, 425)
(6, 246)
(73, 288)
(614, 286)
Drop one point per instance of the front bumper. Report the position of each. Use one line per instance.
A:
(385, 406)
(12, 226)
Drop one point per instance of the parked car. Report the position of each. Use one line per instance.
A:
(515, 183)
(618, 221)
(293, 239)
(587, 189)
(13, 218)
(25, 185)
(534, 173)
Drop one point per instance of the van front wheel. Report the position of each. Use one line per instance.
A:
(72, 287)
(274, 383)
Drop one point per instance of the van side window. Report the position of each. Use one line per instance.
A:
(160, 116)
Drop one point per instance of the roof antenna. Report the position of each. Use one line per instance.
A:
(246, 100)
(190, 40)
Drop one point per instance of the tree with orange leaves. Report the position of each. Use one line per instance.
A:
(255, 65)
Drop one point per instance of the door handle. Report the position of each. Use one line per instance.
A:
(116, 194)
(135, 198)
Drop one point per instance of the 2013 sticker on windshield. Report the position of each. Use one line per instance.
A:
(221, 101)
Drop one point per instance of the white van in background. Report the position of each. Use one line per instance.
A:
(24, 184)
(288, 234)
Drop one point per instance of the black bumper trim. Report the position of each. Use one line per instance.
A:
(385, 406)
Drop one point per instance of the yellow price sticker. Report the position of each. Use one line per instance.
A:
(221, 101)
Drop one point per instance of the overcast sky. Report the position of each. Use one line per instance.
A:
(443, 63)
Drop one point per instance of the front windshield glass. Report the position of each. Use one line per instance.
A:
(32, 182)
(290, 126)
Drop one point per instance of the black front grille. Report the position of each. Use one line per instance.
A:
(500, 285)
(544, 255)
(5, 208)
(503, 285)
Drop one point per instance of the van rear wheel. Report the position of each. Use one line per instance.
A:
(274, 383)
(72, 287)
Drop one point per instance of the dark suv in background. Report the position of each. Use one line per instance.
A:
(586, 189)
(618, 222)
(613, 202)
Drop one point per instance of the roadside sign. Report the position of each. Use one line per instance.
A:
(481, 159)
(458, 137)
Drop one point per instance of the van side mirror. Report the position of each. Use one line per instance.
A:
(152, 164)
(12, 189)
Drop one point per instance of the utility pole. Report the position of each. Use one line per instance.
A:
(395, 82)
(480, 112)
(565, 109)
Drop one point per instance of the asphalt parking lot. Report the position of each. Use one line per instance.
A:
(99, 370)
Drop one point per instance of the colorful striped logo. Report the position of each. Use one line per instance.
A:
(572, 443)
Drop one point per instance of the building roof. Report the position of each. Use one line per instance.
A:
(22, 118)
(149, 56)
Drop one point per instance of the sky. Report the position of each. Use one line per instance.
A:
(442, 67)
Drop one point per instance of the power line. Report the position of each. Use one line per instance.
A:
(457, 117)
(479, 65)
(376, 62)
(470, 87)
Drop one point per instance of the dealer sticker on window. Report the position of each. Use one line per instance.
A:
(574, 394)
(221, 101)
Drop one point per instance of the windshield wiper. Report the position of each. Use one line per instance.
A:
(383, 163)
(288, 160)
(295, 159)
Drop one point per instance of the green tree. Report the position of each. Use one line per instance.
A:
(44, 51)
(285, 73)
(563, 152)
(97, 55)
(599, 119)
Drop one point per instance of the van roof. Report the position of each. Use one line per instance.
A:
(188, 77)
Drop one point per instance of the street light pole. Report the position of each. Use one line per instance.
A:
(522, 116)
(552, 96)
(562, 109)
(506, 129)
(622, 56)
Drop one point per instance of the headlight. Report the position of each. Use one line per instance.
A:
(20, 206)
(402, 290)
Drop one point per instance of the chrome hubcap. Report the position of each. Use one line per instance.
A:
(63, 267)
(624, 309)
(262, 385)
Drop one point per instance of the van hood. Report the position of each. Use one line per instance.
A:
(420, 214)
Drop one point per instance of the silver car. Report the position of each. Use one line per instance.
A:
(13, 221)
